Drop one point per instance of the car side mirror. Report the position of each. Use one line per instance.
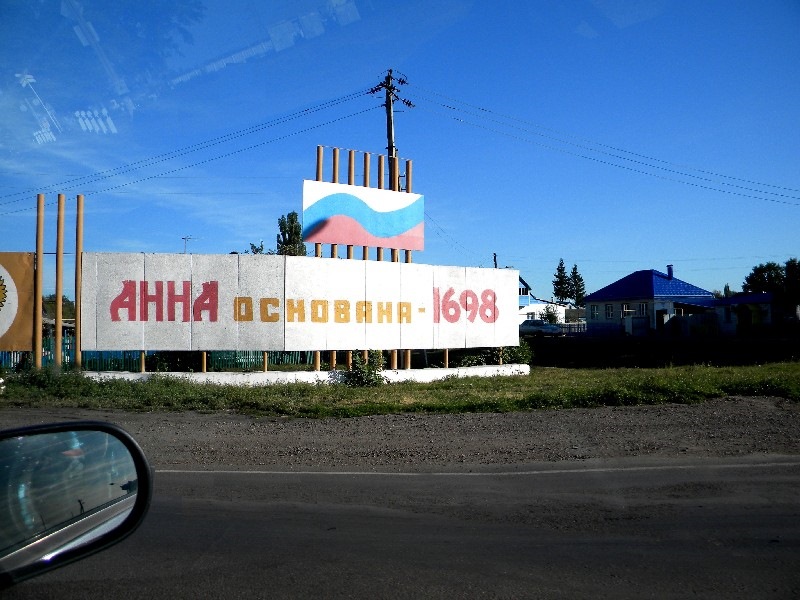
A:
(67, 490)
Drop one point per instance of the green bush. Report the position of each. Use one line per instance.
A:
(473, 360)
(508, 355)
(512, 355)
(365, 374)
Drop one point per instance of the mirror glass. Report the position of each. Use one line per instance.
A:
(60, 490)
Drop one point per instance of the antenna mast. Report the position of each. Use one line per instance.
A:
(186, 239)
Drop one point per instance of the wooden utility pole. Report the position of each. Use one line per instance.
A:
(390, 95)
(391, 149)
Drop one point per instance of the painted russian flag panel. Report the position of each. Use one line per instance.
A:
(334, 213)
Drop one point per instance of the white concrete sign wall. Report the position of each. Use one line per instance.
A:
(257, 302)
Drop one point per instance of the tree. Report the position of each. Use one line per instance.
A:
(791, 272)
(549, 314)
(257, 249)
(562, 286)
(782, 281)
(725, 293)
(49, 306)
(578, 287)
(765, 278)
(290, 237)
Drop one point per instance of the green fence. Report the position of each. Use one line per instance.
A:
(254, 361)
(130, 360)
(14, 360)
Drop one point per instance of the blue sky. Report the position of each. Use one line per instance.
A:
(618, 135)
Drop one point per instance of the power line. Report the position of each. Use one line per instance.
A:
(608, 146)
(211, 159)
(442, 233)
(517, 129)
(625, 167)
(151, 161)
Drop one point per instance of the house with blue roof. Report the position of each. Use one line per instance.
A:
(648, 301)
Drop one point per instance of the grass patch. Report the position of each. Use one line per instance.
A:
(544, 388)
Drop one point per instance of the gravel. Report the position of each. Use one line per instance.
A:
(421, 442)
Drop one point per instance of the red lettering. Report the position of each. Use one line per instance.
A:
(126, 300)
(207, 301)
(173, 299)
(145, 299)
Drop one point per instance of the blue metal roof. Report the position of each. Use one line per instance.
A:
(651, 284)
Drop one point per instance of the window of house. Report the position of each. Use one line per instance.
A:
(594, 311)
(626, 309)
(643, 309)
(609, 311)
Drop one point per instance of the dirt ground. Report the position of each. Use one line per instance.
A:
(414, 442)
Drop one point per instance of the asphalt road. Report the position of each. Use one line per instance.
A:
(622, 528)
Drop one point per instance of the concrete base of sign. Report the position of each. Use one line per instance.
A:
(270, 377)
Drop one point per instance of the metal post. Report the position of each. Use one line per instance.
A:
(59, 327)
(408, 189)
(320, 162)
(408, 252)
(394, 173)
(335, 173)
(38, 289)
(381, 157)
(334, 247)
(394, 181)
(318, 245)
(351, 180)
(78, 279)
(351, 167)
(365, 249)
